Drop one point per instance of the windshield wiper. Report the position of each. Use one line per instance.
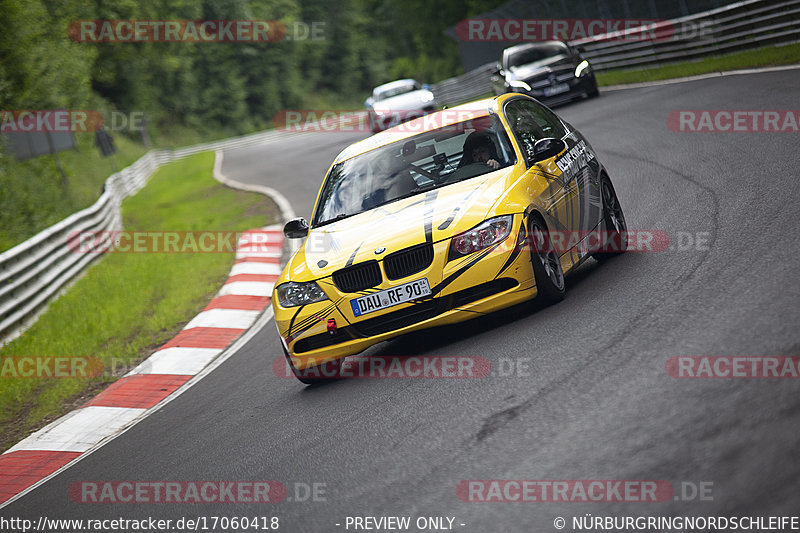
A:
(340, 216)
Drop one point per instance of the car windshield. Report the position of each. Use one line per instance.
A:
(537, 53)
(396, 90)
(428, 160)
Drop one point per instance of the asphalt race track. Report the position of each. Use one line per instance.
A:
(595, 402)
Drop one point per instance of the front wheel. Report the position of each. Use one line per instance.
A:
(593, 91)
(547, 271)
(615, 237)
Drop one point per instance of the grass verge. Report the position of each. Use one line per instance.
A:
(762, 57)
(129, 304)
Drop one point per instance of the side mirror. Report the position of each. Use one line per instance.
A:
(545, 149)
(297, 228)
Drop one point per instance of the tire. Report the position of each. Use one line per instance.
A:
(593, 92)
(547, 272)
(614, 225)
(302, 377)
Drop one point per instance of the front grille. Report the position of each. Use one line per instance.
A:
(358, 277)
(541, 81)
(409, 261)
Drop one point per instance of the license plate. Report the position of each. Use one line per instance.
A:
(390, 297)
(556, 89)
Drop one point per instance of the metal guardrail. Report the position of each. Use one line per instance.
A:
(736, 27)
(456, 90)
(35, 271)
(732, 28)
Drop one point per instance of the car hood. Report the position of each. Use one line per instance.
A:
(433, 215)
(530, 70)
(405, 102)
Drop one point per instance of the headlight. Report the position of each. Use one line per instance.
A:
(583, 65)
(481, 236)
(519, 84)
(428, 97)
(292, 294)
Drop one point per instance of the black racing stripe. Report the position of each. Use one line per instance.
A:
(308, 322)
(547, 173)
(523, 234)
(452, 277)
(353, 255)
(311, 320)
(430, 197)
(291, 322)
(304, 324)
(444, 225)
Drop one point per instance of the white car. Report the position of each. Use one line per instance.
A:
(397, 102)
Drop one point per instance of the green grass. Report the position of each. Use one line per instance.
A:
(763, 57)
(128, 304)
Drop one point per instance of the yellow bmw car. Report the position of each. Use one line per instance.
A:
(459, 213)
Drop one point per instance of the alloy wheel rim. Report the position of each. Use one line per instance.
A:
(548, 259)
(613, 209)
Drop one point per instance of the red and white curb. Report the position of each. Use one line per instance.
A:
(210, 338)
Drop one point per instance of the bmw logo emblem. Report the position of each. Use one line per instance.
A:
(380, 250)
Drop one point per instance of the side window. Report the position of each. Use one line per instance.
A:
(531, 121)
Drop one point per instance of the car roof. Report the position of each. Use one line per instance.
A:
(393, 84)
(445, 117)
(524, 46)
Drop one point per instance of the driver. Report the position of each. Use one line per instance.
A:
(479, 148)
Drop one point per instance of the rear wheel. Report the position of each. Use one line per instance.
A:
(614, 239)
(546, 264)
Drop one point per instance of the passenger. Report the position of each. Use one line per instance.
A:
(391, 179)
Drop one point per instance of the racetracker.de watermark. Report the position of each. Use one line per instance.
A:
(401, 120)
(734, 120)
(534, 30)
(182, 31)
(69, 120)
(177, 492)
(734, 367)
(176, 242)
(37, 366)
(393, 367)
(52, 120)
(564, 491)
(585, 242)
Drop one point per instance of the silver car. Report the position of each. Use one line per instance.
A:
(397, 102)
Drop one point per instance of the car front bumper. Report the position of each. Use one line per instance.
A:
(480, 283)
